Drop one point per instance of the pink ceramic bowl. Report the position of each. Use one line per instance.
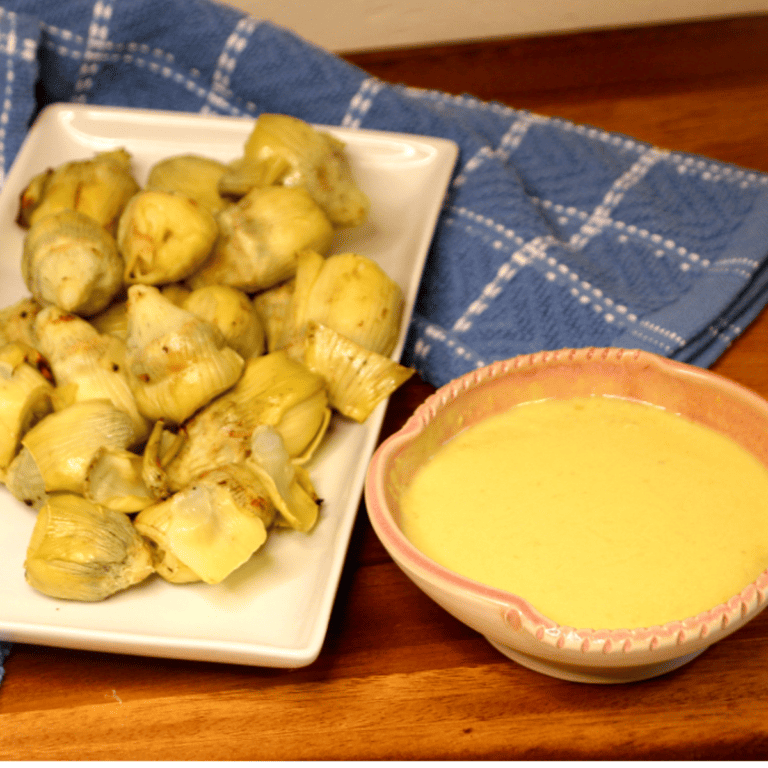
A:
(510, 623)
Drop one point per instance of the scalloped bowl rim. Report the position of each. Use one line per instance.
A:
(524, 627)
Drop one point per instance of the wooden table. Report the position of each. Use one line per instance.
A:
(398, 678)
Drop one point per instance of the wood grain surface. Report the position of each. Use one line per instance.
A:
(398, 678)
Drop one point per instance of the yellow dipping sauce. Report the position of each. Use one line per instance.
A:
(601, 512)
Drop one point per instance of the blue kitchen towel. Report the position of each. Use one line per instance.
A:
(552, 234)
(5, 649)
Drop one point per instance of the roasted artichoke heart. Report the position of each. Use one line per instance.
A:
(288, 483)
(112, 320)
(316, 160)
(211, 527)
(17, 322)
(351, 294)
(356, 378)
(193, 176)
(259, 237)
(82, 551)
(177, 363)
(24, 481)
(115, 480)
(180, 354)
(273, 307)
(233, 313)
(164, 237)
(71, 261)
(87, 365)
(273, 390)
(25, 397)
(98, 187)
(64, 442)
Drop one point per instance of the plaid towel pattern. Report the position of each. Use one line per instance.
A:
(552, 234)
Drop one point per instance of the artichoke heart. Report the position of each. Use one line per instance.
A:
(160, 450)
(82, 551)
(210, 527)
(193, 176)
(98, 187)
(64, 442)
(259, 237)
(88, 365)
(177, 363)
(164, 237)
(25, 397)
(176, 293)
(24, 481)
(351, 294)
(289, 484)
(112, 320)
(71, 261)
(273, 306)
(17, 321)
(273, 390)
(317, 161)
(114, 480)
(233, 313)
(357, 379)
(245, 173)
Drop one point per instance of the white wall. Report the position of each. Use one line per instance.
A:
(357, 25)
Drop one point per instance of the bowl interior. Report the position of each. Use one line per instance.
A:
(694, 393)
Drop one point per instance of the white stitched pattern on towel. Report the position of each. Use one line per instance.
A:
(715, 172)
(600, 217)
(520, 258)
(361, 102)
(436, 333)
(509, 142)
(139, 55)
(98, 34)
(9, 42)
(665, 246)
(220, 94)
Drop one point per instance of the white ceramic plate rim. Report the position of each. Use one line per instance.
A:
(275, 610)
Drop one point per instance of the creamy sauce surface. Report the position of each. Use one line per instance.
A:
(601, 512)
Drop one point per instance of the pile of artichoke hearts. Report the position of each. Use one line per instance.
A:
(181, 353)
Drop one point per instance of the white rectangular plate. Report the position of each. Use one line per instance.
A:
(274, 610)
